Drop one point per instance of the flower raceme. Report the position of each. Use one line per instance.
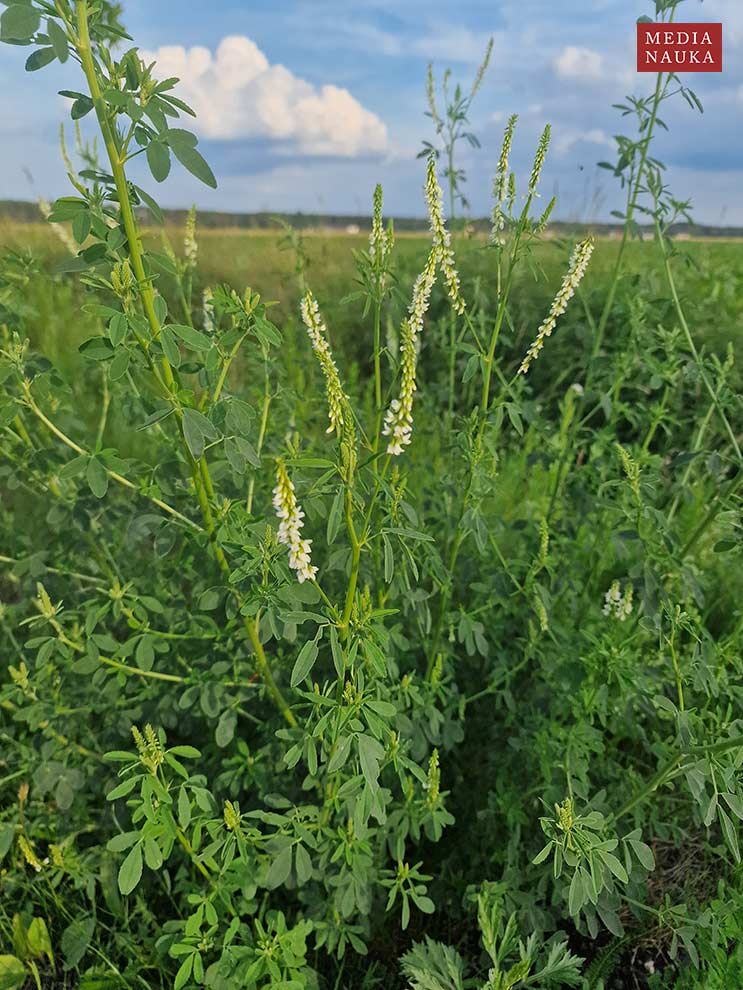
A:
(190, 244)
(317, 332)
(290, 528)
(577, 269)
(616, 604)
(441, 237)
(398, 423)
(380, 240)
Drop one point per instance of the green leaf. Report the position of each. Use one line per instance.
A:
(731, 834)
(75, 940)
(58, 40)
(184, 808)
(39, 941)
(335, 517)
(184, 972)
(614, 865)
(384, 709)
(193, 162)
(542, 854)
(340, 755)
(19, 22)
(735, 803)
(120, 365)
(158, 158)
(611, 919)
(170, 347)
(337, 650)
(97, 349)
(7, 834)
(225, 731)
(117, 328)
(303, 864)
(130, 871)
(40, 58)
(121, 790)
(197, 429)
(644, 853)
(280, 869)
(576, 894)
(82, 106)
(144, 655)
(304, 663)
(12, 973)
(370, 754)
(97, 477)
(187, 752)
(152, 854)
(81, 226)
(194, 339)
(151, 204)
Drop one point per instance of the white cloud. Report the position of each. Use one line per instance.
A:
(567, 140)
(237, 93)
(578, 63)
(452, 43)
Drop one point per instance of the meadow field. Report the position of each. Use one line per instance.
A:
(370, 605)
(266, 260)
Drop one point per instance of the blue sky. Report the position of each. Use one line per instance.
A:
(306, 104)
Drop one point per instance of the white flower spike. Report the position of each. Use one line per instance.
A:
(290, 528)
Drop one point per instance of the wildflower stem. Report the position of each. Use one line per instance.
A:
(658, 779)
(154, 675)
(113, 475)
(633, 196)
(264, 424)
(355, 561)
(378, 364)
(199, 470)
(225, 368)
(87, 61)
(501, 312)
(690, 340)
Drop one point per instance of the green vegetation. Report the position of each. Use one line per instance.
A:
(387, 636)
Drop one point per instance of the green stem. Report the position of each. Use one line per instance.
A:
(117, 170)
(632, 201)
(200, 471)
(690, 341)
(113, 475)
(668, 768)
(355, 561)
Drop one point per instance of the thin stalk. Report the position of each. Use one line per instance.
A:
(668, 768)
(200, 472)
(633, 196)
(690, 341)
(104, 412)
(355, 561)
(262, 430)
(113, 475)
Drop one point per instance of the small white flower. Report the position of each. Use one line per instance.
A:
(442, 238)
(190, 245)
(578, 265)
(616, 604)
(207, 309)
(317, 332)
(290, 528)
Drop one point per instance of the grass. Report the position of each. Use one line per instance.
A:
(712, 282)
(362, 654)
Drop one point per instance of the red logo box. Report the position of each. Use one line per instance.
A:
(679, 47)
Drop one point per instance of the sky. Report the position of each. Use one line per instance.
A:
(307, 104)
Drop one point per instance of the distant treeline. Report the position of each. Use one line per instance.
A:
(28, 212)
